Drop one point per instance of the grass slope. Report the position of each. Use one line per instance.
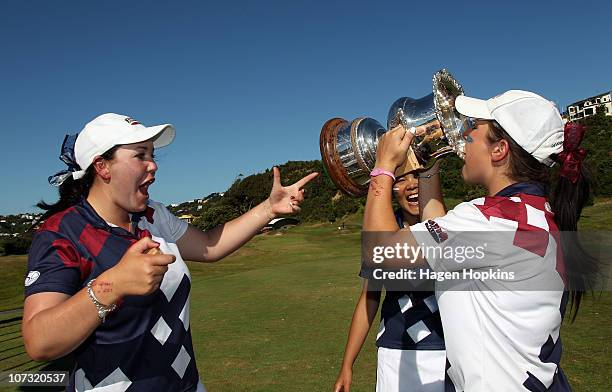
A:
(274, 316)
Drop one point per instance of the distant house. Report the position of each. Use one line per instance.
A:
(280, 223)
(187, 218)
(590, 106)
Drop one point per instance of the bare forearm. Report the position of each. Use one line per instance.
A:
(226, 238)
(378, 214)
(45, 334)
(379, 217)
(364, 314)
(431, 202)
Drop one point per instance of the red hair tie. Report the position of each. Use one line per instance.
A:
(572, 155)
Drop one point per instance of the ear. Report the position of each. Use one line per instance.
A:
(102, 168)
(500, 150)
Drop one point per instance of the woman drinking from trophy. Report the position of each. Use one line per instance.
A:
(500, 334)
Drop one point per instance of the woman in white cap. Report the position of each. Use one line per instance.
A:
(106, 277)
(502, 314)
(410, 340)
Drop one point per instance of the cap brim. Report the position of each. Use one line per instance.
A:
(473, 107)
(162, 135)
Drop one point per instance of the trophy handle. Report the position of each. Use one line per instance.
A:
(332, 162)
(411, 164)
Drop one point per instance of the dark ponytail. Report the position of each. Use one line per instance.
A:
(567, 200)
(71, 191)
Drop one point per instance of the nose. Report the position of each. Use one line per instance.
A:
(413, 182)
(152, 167)
(410, 182)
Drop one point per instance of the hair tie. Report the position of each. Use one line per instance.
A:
(67, 156)
(572, 156)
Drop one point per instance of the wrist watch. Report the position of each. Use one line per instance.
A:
(102, 309)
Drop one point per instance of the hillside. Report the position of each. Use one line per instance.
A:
(324, 203)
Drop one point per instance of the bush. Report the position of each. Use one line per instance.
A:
(16, 246)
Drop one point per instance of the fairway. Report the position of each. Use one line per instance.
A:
(274, 316)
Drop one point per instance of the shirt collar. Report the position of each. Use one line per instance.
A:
(92, 217)
(530, 188)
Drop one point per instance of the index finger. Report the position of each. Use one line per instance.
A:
(306, 179)
(162, 259)
(399, 130)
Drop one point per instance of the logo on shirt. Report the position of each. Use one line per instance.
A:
(436, 231)
(31, 278)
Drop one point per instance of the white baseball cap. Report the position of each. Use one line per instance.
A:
(110, 129)
(531, 120)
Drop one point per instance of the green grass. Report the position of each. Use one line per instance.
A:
(13, 270)
(597, 216)
(274, 316)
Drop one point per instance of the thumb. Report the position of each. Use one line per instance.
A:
(277, 179)
(144, 244)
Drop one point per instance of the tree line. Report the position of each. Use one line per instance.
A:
(325, 203)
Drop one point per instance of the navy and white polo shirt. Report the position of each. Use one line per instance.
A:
(409, 320)
(145, 345)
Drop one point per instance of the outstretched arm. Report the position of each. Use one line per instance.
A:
(213, 245)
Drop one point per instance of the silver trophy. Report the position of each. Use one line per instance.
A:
(441, 126)
(348, 148)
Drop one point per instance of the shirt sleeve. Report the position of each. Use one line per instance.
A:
(53, 265)
(456, 241)
(367, 273)
(172, 227)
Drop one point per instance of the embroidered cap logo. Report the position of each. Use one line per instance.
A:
(131, 121)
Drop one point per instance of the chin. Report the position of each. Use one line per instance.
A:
(466, 176)
(411, 210)
(139, 207)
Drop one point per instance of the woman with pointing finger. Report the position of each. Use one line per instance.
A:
(106, 277)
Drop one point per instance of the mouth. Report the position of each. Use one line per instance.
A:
(144, 187)
(413, 199)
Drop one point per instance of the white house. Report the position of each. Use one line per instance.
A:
(588, 107)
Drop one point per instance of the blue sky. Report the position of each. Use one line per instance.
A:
(249, 84)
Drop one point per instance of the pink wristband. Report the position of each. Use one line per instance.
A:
(378, 171)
